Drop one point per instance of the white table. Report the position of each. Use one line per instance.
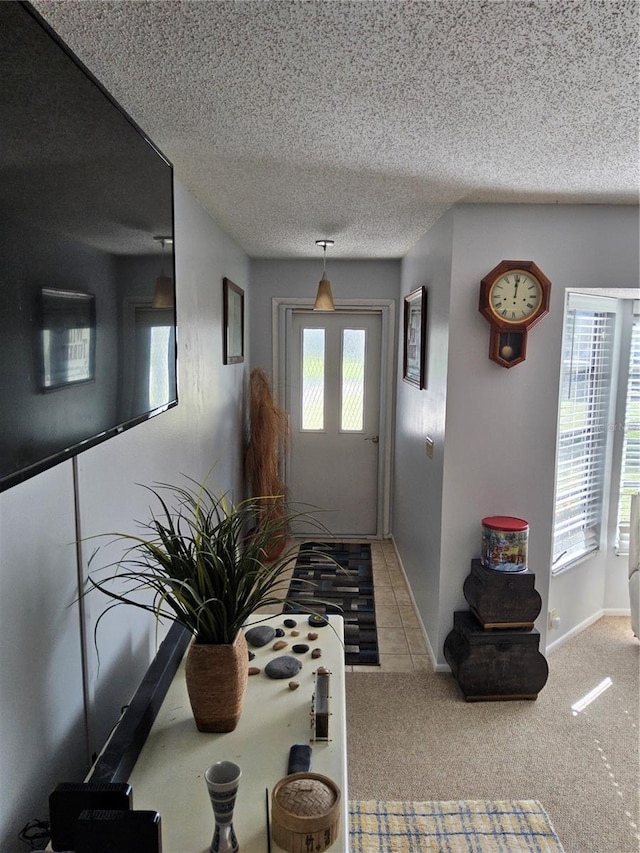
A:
(168, 775)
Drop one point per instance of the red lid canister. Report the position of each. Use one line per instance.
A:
(505, 522)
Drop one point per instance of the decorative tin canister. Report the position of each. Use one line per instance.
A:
(504, 543)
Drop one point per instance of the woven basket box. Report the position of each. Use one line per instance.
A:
(305, 812)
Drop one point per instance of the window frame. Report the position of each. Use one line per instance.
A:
(629, 374)
(594, 531)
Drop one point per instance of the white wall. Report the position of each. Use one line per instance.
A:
(499, 437)
(43, 738)
(419, 480)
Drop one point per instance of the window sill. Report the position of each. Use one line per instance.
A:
(577, 561)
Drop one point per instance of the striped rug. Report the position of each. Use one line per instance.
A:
(337, 577)
(467, 826)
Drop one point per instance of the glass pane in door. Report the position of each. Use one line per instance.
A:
(313, 370)
(352, 409)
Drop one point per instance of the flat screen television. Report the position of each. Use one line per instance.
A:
(87, 295)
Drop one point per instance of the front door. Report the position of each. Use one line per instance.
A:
(333, 385)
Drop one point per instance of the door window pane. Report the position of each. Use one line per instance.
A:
(352, 411)
(312, 379)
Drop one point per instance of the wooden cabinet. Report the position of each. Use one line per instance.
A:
(502, 599)
(493, 648)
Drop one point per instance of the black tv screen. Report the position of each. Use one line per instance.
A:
(87, 299)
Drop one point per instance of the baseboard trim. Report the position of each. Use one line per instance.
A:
(606, 611)
(437, 667)
(578, 629)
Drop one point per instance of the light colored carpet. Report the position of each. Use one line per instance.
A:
(412, 737)
(474, 826)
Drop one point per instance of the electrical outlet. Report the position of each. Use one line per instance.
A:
(552, 616)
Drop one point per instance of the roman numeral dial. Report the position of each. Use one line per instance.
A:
(515, 297)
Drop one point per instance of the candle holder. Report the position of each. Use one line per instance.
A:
(222, 780)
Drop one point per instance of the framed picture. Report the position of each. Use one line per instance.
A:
(67, 338)
(233, 299)
(415, 337)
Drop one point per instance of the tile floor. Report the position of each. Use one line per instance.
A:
(400, 640)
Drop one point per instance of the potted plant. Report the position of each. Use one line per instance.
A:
(268, 435)
(207, 571)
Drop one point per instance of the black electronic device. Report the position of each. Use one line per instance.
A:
(299, 758)
(87, 348)
(70, 799)
(108, 831)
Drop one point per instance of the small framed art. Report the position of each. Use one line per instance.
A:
(233, 338)
(415, 337)
(67, 338)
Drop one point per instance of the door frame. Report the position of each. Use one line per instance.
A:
(282, 309)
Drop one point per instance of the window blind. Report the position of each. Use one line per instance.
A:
(630, 479)
(582, 435)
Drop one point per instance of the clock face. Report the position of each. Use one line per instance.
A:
(515, 297)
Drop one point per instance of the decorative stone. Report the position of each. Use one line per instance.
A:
(300, 648)
(312, 635)
(260, 635)
(316, 653)
(254, 670)
(289, 623)
(251, 655)
(283, 667)
(317, 621)
(295, 633)
(279, 645)
(279, 632)
(293, 685)
(322, 670)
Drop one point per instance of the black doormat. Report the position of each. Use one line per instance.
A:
(319, 586)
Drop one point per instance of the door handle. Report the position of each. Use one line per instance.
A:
(373, 438)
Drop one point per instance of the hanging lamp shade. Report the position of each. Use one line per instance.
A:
(163, 292)
(324, 297)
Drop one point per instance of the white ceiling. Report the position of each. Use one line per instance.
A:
(365, 121)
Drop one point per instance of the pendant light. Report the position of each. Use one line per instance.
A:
(324, 299)
(163, 292)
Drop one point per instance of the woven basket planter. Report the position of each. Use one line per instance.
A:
(216, 677)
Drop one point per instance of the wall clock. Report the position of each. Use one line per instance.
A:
(514, 296)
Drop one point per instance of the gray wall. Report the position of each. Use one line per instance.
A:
(299, 279)
(495, 428)
(48, 731)
(419, 481)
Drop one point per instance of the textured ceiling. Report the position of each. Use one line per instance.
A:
(365, 121)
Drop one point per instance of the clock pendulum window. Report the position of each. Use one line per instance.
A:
(514, 296)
